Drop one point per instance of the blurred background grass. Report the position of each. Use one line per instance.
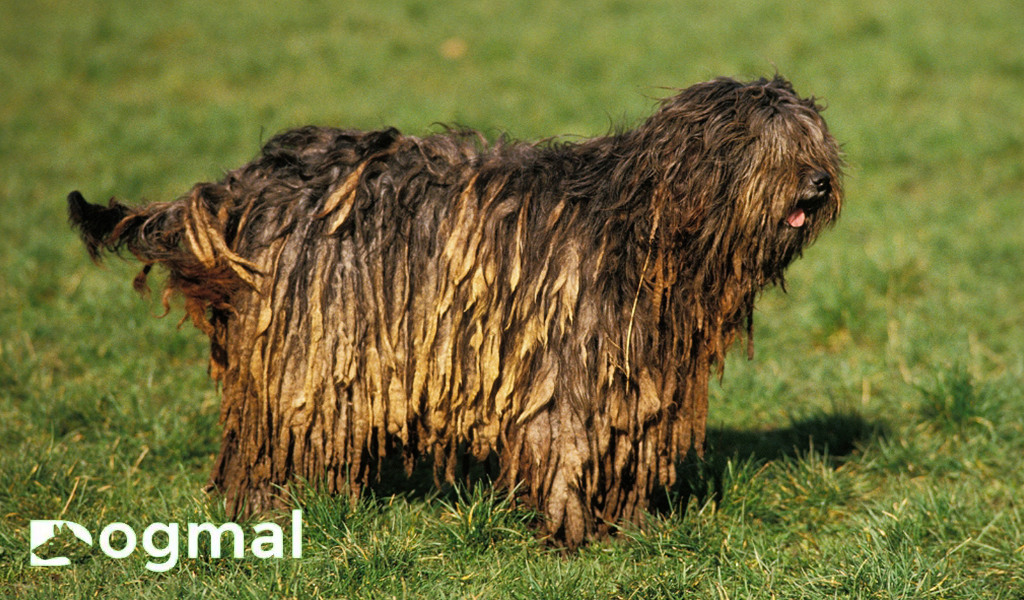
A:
(871, 449)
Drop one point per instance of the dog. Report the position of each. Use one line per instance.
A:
(552, 309)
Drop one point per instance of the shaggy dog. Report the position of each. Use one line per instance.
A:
(553, 309)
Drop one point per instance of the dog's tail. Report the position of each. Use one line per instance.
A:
(188, 236)
(94, 222)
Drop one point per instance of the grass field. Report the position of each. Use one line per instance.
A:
(871, 450)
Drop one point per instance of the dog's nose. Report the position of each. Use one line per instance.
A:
(822, 181)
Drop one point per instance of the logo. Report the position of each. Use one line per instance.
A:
(269, 541)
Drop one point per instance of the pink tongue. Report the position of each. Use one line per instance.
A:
(797, 218)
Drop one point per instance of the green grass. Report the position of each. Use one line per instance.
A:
(872, 449)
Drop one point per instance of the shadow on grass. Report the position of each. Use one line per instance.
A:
(834, 436)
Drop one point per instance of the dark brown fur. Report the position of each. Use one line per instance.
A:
(556, 306)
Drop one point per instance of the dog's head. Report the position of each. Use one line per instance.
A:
(746, 169)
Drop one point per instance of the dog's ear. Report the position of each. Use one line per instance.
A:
(94, 222)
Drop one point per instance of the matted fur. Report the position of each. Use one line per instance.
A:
(558, 306)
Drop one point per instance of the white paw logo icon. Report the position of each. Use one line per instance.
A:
(41, 532)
